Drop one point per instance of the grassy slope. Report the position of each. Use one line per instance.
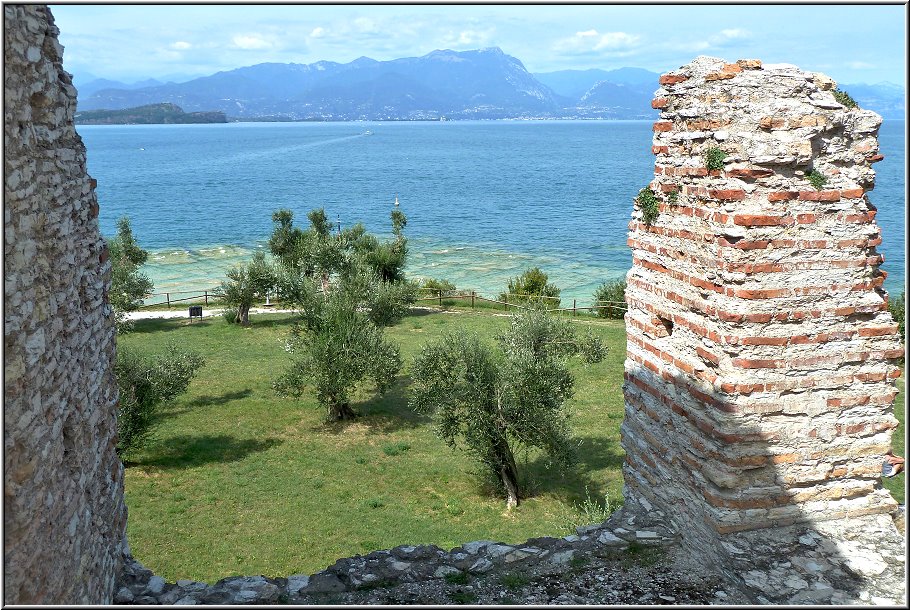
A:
(240, 481)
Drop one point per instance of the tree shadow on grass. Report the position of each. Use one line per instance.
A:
(207, 401)
(188, 451)
(386, 413)
(595, 454)
(156, 325)
(273, 321)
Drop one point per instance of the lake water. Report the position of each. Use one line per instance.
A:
(484, 200)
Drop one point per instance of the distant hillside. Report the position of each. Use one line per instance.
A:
(147, 115)
(479, 84)
(485, 83)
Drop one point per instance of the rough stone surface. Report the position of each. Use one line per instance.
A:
(540, 571)
(761, 352)
(64, 515)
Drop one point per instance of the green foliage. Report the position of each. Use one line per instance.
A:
(445, 286)
(388, 302)
(896, 307)
(843, 98)
(714, 158)
(532, 287)
(588, 512)
(230, 315)
(495, 400)
(457, 578)
(463, 597)
(317, 252)
(128, 286)
(336, 348)
(514, 580)
(816, 179)
(673, 197)
(608, 294)
(245, 283)
(648, 203)
(146, 383)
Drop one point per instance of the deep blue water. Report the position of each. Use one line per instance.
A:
(485, 200)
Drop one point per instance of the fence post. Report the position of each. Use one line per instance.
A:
(440, 297)
(206, 297)
(472, 299)
(573, 307)
(167, 295)
(505, 303)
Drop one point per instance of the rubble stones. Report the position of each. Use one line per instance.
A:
(556, 571)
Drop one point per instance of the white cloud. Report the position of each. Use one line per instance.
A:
(590, 41)
(860, 65)
(616, 40)
(735, 33)
(250, 41)
(181, 45)
(317, 33)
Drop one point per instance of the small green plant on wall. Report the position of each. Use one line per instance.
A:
(647, 201)
(844, 99)
(714, 158)
(816, 179)
(673, 197)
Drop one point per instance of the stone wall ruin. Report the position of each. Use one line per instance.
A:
(64, 514)
(761, 352)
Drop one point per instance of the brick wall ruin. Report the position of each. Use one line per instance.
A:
(64, 515)
(761, 353)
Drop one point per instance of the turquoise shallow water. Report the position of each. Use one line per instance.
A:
(485, 200)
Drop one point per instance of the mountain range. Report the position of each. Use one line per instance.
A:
(478, 84)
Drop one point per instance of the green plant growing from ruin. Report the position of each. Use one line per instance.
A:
(896, 307)
(816, 179)
(532, 287)
(843, 98)
(128, 285)
(145, 384)
(673, 197)
(494, 401)
(714, 158)
(649, 205)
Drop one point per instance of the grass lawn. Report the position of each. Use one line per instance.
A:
(239, 481)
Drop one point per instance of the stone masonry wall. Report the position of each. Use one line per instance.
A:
(64, 514)
(761, 353)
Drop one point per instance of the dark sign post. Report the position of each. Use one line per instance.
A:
(195, 312)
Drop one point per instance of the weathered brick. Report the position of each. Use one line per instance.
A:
(672, 79)
(660, 102)
(663, 125)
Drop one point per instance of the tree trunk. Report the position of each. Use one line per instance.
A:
(339, 411)
(507, 472)
(243, 315)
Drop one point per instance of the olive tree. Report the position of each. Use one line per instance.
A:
(128, 285)
(494, 400)
(336, 347)
(245, 283)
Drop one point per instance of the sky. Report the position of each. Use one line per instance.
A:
(850, 43)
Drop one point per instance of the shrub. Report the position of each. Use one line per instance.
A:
(816, 179)
(436, 285)
(229, 315)
(647, 201)
(532, 287)
(673, 197)
(613, 291)
(146, 383)
(388, 302)
(843, 98)
(896, 306)
(714, 158)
